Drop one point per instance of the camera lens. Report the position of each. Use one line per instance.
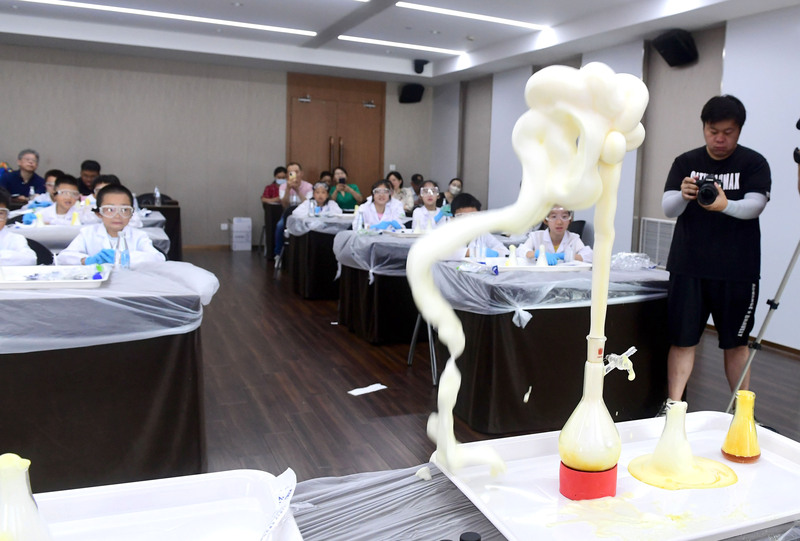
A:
(707, 191)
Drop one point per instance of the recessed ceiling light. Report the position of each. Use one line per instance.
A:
(401, 45)
(237, 4)
(468, 15)
(173, 16)
(435, 32)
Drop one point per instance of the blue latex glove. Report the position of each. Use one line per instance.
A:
(492, 253)
(395, 224)
(29, 218)
(106, 255)
(380, 226)
(552, 259)
(444, 211)
(39, 204)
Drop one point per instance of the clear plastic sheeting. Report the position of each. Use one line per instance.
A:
(386, 506)
(631, 261)
(156, 299)
(378, 253)
(298, 226)
(481, 293)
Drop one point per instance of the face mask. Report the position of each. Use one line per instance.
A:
(280, 180)
(455, 190)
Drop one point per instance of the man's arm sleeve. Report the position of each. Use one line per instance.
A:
(748, 208)
(673, 204)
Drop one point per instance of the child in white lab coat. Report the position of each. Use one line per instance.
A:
(320, 204)
(14, 249)
(381, 211)
(98, 243)
(66, 209)
(559, 244)
(428, 215)
(487, 243)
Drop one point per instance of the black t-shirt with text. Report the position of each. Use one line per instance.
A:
(709, 244)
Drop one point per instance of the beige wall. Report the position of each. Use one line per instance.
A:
(477, 120)
(672, 119)
(207, 135)
(407, 140)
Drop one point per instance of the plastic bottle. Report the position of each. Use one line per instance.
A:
(157, 197)
(741, 442)
(124, 253)
(294, 199)
(31, 194)
(19, 516)
(135, 204)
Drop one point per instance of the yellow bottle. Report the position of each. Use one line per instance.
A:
(741, 443)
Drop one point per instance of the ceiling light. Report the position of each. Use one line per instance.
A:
(401, 45)
(173, 16)
(468, 15)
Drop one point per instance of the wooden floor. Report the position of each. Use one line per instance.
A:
(277, 372)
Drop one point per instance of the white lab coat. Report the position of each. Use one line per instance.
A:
(489, 241)
(571, 240)
(50, 217)
(331, 208)
(94, 238)
(393, 211)
(424, 219)
(14, 249)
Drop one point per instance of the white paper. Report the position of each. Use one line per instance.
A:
(364, 390)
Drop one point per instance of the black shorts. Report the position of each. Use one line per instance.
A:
(731, 304)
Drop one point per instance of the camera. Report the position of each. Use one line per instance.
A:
(342, 180)
(797, 150)
(707, 190)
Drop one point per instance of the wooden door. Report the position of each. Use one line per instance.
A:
(360, 143)
(340, 117)
(310, 131)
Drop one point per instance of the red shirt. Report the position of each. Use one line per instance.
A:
(271, 191)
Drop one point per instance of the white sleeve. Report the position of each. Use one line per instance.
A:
(673, 204)
(495, 244)
(301, 209)
(748, 208)
(334, 209)
(579, 248)
(143, 250)
(416, 218)
(18, 252)
(72, 254)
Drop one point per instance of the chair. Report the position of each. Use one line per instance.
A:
(43, 255)
(148, 199)
(431, 348)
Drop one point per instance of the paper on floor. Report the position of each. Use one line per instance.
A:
(364, 390)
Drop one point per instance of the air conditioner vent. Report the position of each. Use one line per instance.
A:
(655, 239)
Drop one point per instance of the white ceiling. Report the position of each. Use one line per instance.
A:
(575, 26)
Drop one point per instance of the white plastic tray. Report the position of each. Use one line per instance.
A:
(408, 233)
(49, 277)
(524, 503)
(224, 506)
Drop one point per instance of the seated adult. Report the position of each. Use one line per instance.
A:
(559, 244)
(19, 182)
(487, 243)
(454, 188)
(292, 193)
(90, 170)
(381, 210)
(67, 209)
(320, 204)
(429, 215)
(272, 191)
(14, 249)
(404, 195)
(416, 184)
(347, 196)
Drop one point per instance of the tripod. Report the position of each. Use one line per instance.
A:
(773, 305)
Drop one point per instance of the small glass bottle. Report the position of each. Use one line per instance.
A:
(19, 515)
(124, 253)
(157, 197)
(31, 194)
(741, 443)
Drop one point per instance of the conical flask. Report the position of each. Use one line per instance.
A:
(741, 443)
(19, 516)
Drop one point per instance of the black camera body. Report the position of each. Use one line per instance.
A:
(707, 190)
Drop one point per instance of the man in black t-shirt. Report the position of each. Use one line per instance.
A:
(715, 257)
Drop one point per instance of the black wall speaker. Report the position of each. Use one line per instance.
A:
(676, 47)
(411, 93)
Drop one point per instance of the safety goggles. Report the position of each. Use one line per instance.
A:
(3, 215)
(109, 211)
(71, 193)
(381, 191)
(429, 191)
(564, 216)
